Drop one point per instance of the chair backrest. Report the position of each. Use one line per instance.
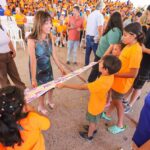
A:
(15, 34)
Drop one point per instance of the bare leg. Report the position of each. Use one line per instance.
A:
(50, 103)
(110, 109)
(41, 106)
(127, 95)
(92, 128)
(120, 112)
(135, 94)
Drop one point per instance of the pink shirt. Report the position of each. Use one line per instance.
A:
(74, 34)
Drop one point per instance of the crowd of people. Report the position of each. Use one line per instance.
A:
(120, 41)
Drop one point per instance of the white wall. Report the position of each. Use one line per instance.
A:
(138, 3)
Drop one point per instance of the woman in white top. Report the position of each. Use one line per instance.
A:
(7, 64)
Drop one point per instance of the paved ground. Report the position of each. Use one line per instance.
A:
(69, 114)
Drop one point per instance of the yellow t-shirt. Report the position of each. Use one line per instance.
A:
(131, 58)
(20, 19)
(31, 133)
(98, 93)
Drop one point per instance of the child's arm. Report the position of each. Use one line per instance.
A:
(131, 74)
(145, 50)
(73, 86)
(109, 50)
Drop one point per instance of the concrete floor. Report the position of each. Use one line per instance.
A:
(69, 114)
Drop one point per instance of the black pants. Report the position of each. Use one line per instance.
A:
(95, 71)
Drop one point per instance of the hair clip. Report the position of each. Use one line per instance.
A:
(13, 99)
(10, 106)
(4, 94)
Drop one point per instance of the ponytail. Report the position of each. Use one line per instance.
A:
(140, 37)
(135, 28)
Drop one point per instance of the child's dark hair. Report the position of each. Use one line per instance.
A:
(148, 8)
(135, 28)
(11, 105)
(112, 63)
(138, 14)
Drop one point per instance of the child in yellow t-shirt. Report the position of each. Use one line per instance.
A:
(20, 126)
(98, 89)
(130, 57)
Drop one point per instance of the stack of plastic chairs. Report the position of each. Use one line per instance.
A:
(13, 30)
(29, 25)
(16, 37)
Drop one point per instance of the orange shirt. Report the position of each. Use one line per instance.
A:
(130, 57)
(98, 93)
(31, 133)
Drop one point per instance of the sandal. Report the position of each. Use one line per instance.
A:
(115, 129)
(105, 117)
(86, 128)
(43, 111)
(85, 135)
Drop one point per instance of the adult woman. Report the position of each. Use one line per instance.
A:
(41, 47)
(7, 63)
(111, 35)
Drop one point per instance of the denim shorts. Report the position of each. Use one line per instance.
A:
(116, 95)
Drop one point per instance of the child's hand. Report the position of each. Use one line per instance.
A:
(28, 108)
(60, 85)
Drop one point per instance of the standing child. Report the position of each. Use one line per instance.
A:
(115, 50)
(20, 126)
(130, 57)
(98, 90)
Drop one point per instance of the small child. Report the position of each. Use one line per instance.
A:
(114, 49)
(20, 126)
(98, 89)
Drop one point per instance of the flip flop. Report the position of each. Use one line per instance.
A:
(115, 129)
(105, 117)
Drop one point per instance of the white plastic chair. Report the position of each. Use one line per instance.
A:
(16, 37)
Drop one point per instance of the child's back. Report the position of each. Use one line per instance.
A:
(29, 128)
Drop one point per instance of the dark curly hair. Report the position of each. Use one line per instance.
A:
(11, 105)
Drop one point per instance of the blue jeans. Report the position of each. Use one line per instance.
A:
(72, 46)
(90, 45)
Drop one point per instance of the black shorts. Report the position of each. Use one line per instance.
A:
(142, 77)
